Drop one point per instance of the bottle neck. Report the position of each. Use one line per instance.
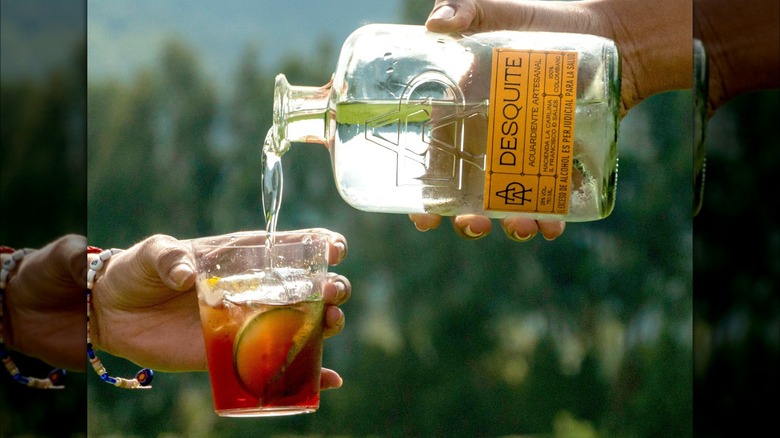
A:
(300, 113)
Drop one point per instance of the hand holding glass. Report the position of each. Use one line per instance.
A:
(261, 307)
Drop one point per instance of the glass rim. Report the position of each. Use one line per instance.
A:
(282, 238)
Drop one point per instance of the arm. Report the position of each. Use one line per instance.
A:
(742, 44)
(145, 307)
(44, 304)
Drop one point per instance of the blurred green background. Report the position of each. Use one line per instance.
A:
(588, 335)
(591, 335)
(43, 179)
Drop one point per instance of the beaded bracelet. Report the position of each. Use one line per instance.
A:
(143, 378)
(57, 375)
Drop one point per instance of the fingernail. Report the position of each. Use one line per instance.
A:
(419, 228)
(467, 231)
(341, 290)
(443, 13)
(180, 274)
(516, 237)
(342, 250)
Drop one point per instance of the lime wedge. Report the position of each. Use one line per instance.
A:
(265, 345)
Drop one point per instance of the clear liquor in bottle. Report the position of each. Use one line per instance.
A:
(497, 123)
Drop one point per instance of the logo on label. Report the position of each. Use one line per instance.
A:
(426, 132)
(515, 194)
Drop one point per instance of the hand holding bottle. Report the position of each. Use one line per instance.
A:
(654, 38)
(664, 65)
(472, 226)
(465, 125)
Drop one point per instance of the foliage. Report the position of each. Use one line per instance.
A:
(736, 261)
(588, 333)
(587, 336)
(42, 188)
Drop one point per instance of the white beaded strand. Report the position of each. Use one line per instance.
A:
(143, 378)
(56, 376)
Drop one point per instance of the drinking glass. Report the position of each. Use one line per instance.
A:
(261, 309)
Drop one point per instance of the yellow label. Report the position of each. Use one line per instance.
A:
(531, 131)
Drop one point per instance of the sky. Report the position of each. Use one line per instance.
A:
(36, 35)
(124, 35)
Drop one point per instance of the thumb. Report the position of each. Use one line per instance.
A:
(489, 15)
(172, 261)
(69, 258)
(57, 271)
(451, 16)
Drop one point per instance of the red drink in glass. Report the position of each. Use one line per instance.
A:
(264, 359)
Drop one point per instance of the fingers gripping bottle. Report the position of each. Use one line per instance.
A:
(498, 123)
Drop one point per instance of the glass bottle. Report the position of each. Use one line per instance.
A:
(497, 123)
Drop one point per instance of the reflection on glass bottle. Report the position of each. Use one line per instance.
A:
(700, 96)
(497, 123)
